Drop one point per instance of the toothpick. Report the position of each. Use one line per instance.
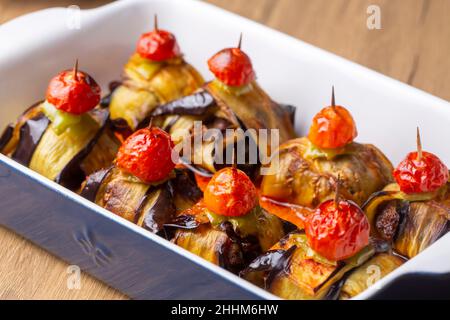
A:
(75, 70)
(419, 145)
(155, 22)
(234, 152)
(240, 41)
(150, 124)
(338, 190)
(333, 99)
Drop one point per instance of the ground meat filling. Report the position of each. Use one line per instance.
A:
(387, 221)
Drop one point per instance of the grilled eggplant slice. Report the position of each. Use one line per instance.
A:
(253, 108)
(65, 156)
(410, 222)
(147, 84)
(292, 270)
(221, 107)
(306, 176)
(148, 206)
(228, 242)
(368, 274)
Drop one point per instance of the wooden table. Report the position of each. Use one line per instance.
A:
(413, 46)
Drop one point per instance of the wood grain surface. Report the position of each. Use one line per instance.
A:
(413, 46)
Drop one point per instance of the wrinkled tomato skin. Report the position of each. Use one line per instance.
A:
(158, 45)
(231, 193)
(425, 175)
(232, 67)
(147, 154)
(332, 127)
(75, 96)
(337, 234)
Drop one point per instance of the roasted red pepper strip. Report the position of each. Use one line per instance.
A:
(292, 213)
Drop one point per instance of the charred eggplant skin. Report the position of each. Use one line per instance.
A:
(225, 241)
(147, 84)
(31, 133)
(6, 136)
(33, 142)
(149, 206)
(410, 222)
(92, 184)
(219, 109)
(292, 270)
(307, 178)
(196, 104)
(368, 274)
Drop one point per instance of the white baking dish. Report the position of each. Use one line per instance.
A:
(36, 46)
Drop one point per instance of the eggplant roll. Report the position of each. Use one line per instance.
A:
(65, 156)
(221, 107)
(292, 270)
(306, 176)
(147, 84)
(149, 206)
(230, 242)
(410, 223)
(368, 274)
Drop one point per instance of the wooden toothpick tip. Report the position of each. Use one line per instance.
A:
(337, 196)
(150, 124)
(419, 145)
(75, 70)
(240, 41)
(333, 98)
(155, 22)
(235, 156)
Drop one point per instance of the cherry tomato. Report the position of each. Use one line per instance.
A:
(158, 45)
(333, 127)
(73, 94)
(232, 67)
(337, 232)
(147, 154)
(231, 193)
(421, 174)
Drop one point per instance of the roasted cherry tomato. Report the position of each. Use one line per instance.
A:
(337, 231)
(232, 67)
(158, 45)
(230, 193)
(426, 173)
(73, 91)
(147, 154)
(333, 127)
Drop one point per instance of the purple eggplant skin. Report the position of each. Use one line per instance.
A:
(196, 104)
(92, 184)
(409, 222)
(262, 270)
(149, 206)
(155, 215)
(6, 136)
(30, 135)
(31, 141)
